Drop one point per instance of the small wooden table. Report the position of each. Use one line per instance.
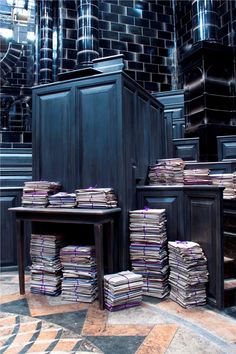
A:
(96, 217)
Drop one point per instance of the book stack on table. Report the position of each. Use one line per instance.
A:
(122, 290)
(167, 171)
(36, 193)
(148, 250)
(62, 200)
(188, 273)
(96, 198)
(46, 266)
(197, 176)
(79, 281)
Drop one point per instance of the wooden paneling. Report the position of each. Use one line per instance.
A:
(52, 143)
(186, 149)
(226, 147)
(214, 167)
(194, 213)
(204, 224)
(9, 197)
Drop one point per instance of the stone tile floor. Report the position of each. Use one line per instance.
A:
(43, 324)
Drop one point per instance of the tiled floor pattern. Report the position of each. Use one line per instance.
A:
(44, 324)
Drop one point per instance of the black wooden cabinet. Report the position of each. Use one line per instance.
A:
(100, 131)
(194, 213)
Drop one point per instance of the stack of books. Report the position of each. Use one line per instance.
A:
(188, 273)
(148, 250)
(79, 281)
(96, 198)
(122, 290)
(227, 180)
(46, 266)
(62, 200)
(197, 176)
(167, 171)
(36, 193)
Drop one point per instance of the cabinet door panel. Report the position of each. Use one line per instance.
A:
(204, 226)
(99, 133)
(54, 124)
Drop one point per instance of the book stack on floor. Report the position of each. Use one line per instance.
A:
(79, 281)
(62, 200)
(197, 176)
(36, 193)
(96, 198)
(188, 273)
(46, 266)
(227, 180)
(148, 250)
(122, 290)
(167, 171)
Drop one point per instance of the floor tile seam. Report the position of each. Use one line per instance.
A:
(194, 327)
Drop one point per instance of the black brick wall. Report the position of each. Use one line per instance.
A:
(144, 32)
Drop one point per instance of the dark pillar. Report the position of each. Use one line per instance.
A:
(87, 41)
(208, 82)
(204, 20)
(45, 42)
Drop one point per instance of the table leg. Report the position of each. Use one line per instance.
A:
(98, 235)
(110, 246)
(20, 251)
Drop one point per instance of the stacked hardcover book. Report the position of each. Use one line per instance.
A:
(197, 176)
(79, 273)
(188, 273)
(148, 250)
(122, 290)
(46, 266)
(227, 180)
(62, 200)
(36, 193)
(167, 171)
(96, 198)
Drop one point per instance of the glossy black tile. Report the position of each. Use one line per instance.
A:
(143, 76)
(132, 47)
(142, 22)
(110, 35)
(130, 73)
(142, 40)
(151, 86)
(126, 19)
(125, 37)
(118, 27)
(119, 45)
(149, 32)
(134, 29)
(117, 9)
(110, 17)
(104, 43)
(144, 58)
(150, 50)
(135, 65)
(134, 12)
